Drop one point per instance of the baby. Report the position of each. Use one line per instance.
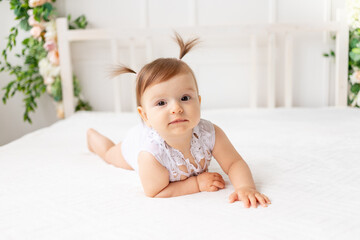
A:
(172, 148)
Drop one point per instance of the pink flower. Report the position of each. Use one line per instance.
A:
(53, 57)
(36, 31)
(49, 80)
(33, 22)
(35, 3)
(50, 45)
(355, 77)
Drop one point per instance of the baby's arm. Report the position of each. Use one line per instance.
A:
(155, 180)
(238, 171)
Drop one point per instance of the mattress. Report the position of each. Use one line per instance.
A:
(306, 160)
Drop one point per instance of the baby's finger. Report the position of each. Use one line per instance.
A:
(253, 200)
(266, 199)
(233, 197)
(213, 188)
(218, 184)
(245, 200)
(217, 175)
(261, 200)
(220, 179)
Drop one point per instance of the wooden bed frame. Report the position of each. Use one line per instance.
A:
(272, 29)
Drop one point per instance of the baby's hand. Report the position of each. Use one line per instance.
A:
(249, 196)
(210, 181)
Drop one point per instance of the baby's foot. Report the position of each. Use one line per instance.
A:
(90, 135)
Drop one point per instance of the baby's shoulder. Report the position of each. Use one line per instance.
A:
(152, 142)
(206, 126)
(205, 132)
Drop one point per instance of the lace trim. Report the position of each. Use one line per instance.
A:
(200, 138)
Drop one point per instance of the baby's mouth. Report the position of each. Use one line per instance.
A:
(178, 121)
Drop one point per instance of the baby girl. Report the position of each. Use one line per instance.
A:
(172, 148)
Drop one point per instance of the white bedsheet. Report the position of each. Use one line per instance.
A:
(306, 160)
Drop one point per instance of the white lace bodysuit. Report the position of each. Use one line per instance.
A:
(143, 138)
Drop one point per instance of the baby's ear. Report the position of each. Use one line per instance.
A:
(142, 114)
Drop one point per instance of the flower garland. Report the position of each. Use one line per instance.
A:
(353, 11)
(40, 71)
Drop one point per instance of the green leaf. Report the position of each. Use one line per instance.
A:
(77, 88)
(47, 11)
(356, 50)
(37, 11)
(81, 22)
(354, 43)
(56, 90)
(83, 105)
(355, 57)
(25, 25)
(355, 88)
(25, 41)
(17, 11)
(47, 6)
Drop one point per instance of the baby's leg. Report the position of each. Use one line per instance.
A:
(106, 149)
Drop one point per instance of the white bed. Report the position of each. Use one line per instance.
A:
(306, 160)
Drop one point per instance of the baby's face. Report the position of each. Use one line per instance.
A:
(172, 107)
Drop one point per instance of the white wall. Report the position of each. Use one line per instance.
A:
(91, 60)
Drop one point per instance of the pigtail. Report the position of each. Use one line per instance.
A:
(120, 69)
(185, 47)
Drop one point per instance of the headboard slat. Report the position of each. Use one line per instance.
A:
(341, 68)
(116, 81)
(131, 84)
(254, 72)
(288, 70)
(271, 71)
(66, 69)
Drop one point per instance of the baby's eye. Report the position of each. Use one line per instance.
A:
(185, 98)
(160, 103)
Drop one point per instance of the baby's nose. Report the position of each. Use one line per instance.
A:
(176, 108)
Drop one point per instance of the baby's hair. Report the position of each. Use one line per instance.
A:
(185, 48)
(161, 69)
(121, 69)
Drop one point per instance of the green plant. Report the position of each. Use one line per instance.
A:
(354, 68)
(39, 72)
(353, 12)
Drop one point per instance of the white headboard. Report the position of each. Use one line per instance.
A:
(272, 30)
